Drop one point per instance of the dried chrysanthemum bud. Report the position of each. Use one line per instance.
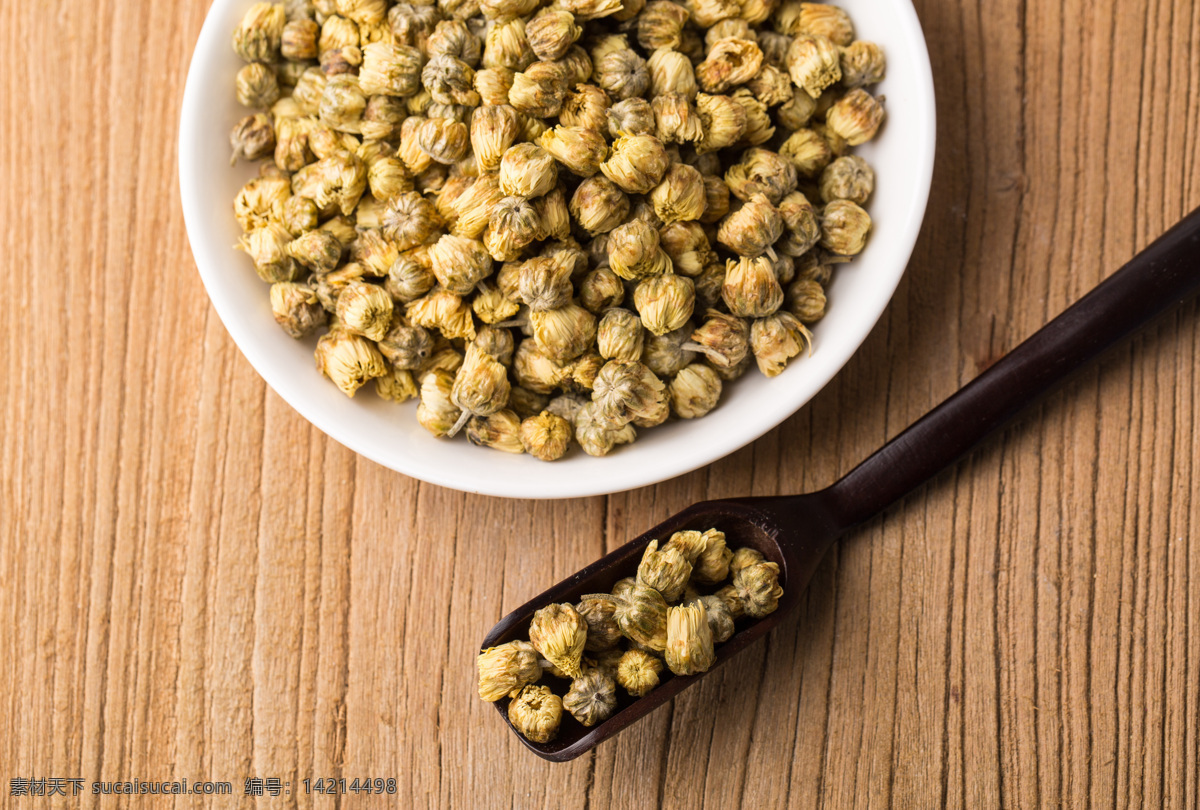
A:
(389, 69)
(808, 151)
(671, 72)
(660, 24)
(443, 139)
(553, 214)
(396, 386)
(349, 360)
(626, 391)
(745, 557)
(856, 117)
(803, 228)
(536, 712)
(847, 178)
(338, 182)
(436, 412)
(665, 571)
(496, 342)
(680, 196)
(578, 149)
(410, 220)
(597, 437)
(844, 227)
(499, 431)
(711, 565)
(374, 253)
(695, 391)
(723, 121)
(592, 697)
(577, 65)
(687, 245)
(638, 671)
(443, 310)
(601, 290)
(798, 111)
(641, 613)
(776, 339)
(759, 128)
(329, 286)
(665, 355)
(689, 649)
(318, 250)
(862, 63)
(720, 618)
(567, 406)
(676, 119)
(559, 634)
(455, 38)
(620, 337)
(291, 143)
(525, 403)
(459, 263)
(257, 86)
(527, 170)
(590, 9)
(820, 19)
(309, 90)
(539, 90)
(513, 224)
(480, 388)
(261, 201)
(708, 286)
(637, 163)
(449, 80)
(505, 670)
(296, 309)
(493, 85)
(298, 41)
(412, 24)
(806, 300)
(546, 437)
(473, 208)
(633, 116)
(258, 35)
(633, 250)
(758, 587)
(252, 138)
(729, 63)
(716, 200)
(338, 34)
(598, 205)
(507, 46)
(564, 333)
(365, 309)
(772, 86)
(622, 74)
(751, 289)
(586, 106)
(551, 33)
(535, 370)
(545, 284)
(664, 302)
(751, 229)
(813, 63)
(761, 171)
(343, 103)
(406, 346)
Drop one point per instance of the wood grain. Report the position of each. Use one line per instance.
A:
(195, 583)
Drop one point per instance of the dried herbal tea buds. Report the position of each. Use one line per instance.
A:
(559, 633)
(536, 712)
(638, 671)
(689, 649)
(665, 571)
(592, 697)
(506, 669)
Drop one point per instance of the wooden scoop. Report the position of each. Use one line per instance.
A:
(796, 531)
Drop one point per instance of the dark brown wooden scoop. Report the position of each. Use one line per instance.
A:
(796, 531)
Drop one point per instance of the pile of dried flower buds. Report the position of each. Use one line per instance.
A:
(552, 220)
(670, 616)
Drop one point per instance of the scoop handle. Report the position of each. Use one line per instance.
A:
(1163, 275)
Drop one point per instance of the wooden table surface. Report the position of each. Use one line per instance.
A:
(196, 583)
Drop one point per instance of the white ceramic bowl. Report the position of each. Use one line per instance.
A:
(388, 434)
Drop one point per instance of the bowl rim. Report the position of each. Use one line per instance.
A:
(464, 477)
